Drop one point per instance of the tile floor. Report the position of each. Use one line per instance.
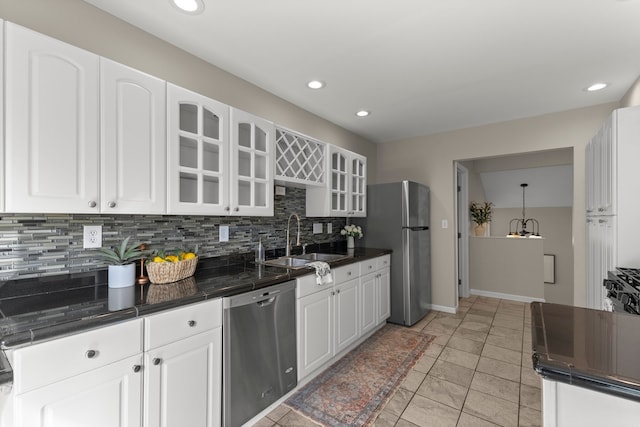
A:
(477, 372)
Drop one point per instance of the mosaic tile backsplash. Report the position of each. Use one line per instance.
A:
(35, 245)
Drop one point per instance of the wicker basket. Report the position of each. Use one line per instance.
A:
(167, 272)
(161, 293)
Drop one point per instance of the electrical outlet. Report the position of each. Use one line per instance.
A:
(224, 233)
(317, 228)
(92, 236)
(329, 228)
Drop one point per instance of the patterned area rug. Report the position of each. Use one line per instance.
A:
(353, 390)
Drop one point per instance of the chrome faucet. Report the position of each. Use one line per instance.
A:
(288, 249)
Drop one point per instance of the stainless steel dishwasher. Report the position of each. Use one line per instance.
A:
(259, 358)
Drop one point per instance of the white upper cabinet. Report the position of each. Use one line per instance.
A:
(133, 141)
(51, 127)
(299, 159)
(198, 154)
(252, 145)
(1, 113)
(346, 191)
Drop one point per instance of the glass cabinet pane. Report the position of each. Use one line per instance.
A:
(244, 193)
(261, 194)
(261, 140)
(210, 157)
(188, 188)
(211, 190)
(261, 167)
(188, 152)
(334, 180)
(189, 118)
(244, 163)
(244, 135)
(335, 161)
(210, 125)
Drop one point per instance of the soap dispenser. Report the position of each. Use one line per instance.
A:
(260, 252)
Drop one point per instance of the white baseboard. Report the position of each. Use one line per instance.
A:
(500, 295)
(444, 308)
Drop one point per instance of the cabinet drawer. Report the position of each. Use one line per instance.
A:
(306, 285)
(174, 325)
(346, 273)
(42, 364)
(383, 262)
(369, 266)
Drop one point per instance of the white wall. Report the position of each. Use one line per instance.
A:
(430, 160)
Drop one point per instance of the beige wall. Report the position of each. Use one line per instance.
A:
(501, 266)
(556, 228)
(85, 26)
(632, 97)
(430, 160)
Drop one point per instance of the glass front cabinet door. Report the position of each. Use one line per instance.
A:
(198, 154)
(252, 148)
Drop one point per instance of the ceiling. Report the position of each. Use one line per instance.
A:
(420, 66)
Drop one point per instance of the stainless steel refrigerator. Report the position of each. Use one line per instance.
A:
(398, 219)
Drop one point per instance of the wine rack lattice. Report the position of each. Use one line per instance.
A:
(299, 159)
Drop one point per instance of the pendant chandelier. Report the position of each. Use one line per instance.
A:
(518, 226)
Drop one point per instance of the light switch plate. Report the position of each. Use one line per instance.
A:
(329, 228)
(445, 223)
(92, 236)
(280, 191)
(224, 233)
(317, 228)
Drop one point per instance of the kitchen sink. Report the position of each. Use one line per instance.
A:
(318, 256)
(301, 261)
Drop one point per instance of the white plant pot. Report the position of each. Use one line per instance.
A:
(121, 276)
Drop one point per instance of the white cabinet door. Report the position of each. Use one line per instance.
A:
(383, 285)
(183, 382)
(198, 153)
(358, 186)
(368, 302)
(347, 314)
(338, 181)
(1, 114)
(251, 179)
(110, 396)
(133, 141)
(315, 331)
(51, 112)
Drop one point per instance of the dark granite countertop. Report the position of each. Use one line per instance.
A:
(32, 310)
(588, 348)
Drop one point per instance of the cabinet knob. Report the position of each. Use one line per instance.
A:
(338, 291)
(92, 204)
(370, 267)
(349, 273)
(192, 323)
(602, 221)
(90, 354)
(137, 368)
(226, 208)
(333, 293)
(112, 204)
(236, 209)
(157, 361)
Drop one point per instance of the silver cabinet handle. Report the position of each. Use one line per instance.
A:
(90, 354)
(137, 368)
(226, 208)
(333, 293)
(349, 273)
(157, 361)
(92, 204)
(602, 221)
(192, 323)
(236, 209)
(112, 204)
(338, 291)
(370, 267)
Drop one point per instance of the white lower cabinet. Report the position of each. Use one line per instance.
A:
(182, 382)
(331, 319)
(109, 396)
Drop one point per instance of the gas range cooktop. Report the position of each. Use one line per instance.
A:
(623, 289)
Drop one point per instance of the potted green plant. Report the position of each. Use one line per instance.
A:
(121, 261)
(481, 214)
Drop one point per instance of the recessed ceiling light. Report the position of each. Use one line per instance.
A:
(189, 6)
(315, 84)
(596, 86)
(362, 113)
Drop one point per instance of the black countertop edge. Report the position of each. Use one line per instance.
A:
(208, 270)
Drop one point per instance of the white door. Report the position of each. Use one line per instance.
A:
(384, 294)
(315, 332)
(368, 302)
(51, 96)
(183, 382)
(252, 146)
(198, 154)
(110, 396)
(133, 141)
(347, 311)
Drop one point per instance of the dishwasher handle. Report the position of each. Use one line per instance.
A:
(266, 302)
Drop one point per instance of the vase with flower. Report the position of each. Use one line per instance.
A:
(352, 231)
